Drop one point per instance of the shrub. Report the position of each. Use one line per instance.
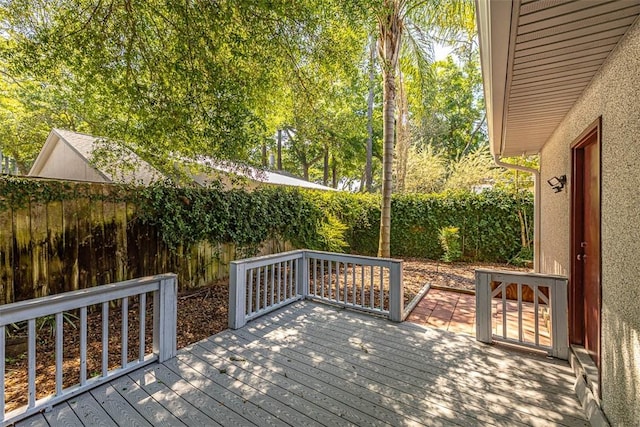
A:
(450, 242)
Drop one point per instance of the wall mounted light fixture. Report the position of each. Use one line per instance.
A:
(557, 183)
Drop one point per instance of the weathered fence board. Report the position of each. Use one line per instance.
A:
(94, 239)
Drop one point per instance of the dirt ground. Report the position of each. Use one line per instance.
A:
(201, 313)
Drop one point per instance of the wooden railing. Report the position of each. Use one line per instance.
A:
(525, 309)
(57, 307)
(260, 285)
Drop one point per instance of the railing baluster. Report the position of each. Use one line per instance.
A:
(279, 281)
(353, 283)
(371, 293)
(59, 352)
(273, 280)
(315, 278)
(381, 289)
(337, 296)
(362, 285)
(124, 335)
(250, 293)
(322, 276)
(105, 338)
(535, 316)
(330, 280)
(292, 287)
(346, 293)
(520, 327)
(285, 284)
(2, 371)
(83, 345)
(258, 288)
(31, 355)
(142, 326)
(504, 309)
(295, 286)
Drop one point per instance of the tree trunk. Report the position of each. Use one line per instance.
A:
(279, 156)
(384, 244)
(264, 155)
(325, 176)
(368, 170)
(334, 173)
(390, 24)
(402, 135)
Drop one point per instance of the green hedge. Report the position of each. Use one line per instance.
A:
(488, 223)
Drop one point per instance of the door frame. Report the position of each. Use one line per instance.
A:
(576, 287)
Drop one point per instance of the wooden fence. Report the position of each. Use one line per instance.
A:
(49, 248)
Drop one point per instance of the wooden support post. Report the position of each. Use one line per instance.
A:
(302, 275)
(237, 295)
(483, 308)
(165, 319)
(559, 320)
(396, 291)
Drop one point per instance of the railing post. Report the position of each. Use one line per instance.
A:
(396, 291)
(165, 319)
(559, 320)
(302, 275)
(237, 295)
(483, 308)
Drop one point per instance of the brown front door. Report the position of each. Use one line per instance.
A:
(586, 293)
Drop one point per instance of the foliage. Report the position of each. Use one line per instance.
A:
(426, 171)
(450, 242)
(332, 234)
(473, 169)
(489, 222)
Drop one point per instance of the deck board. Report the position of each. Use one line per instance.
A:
(356, 341)
(315, 365)
(386, 369)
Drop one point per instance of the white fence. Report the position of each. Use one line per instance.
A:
(525, 309)
(61, 306)
(260, 285)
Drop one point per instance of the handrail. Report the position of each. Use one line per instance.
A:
(262, 284)
(164, 289)
(506, 300)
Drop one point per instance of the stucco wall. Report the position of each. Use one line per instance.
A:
(614, 94)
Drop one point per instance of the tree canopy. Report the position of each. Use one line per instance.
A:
(317, 88)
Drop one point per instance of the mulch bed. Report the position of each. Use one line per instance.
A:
(201, 313)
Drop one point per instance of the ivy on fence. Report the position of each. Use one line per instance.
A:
(490, 223)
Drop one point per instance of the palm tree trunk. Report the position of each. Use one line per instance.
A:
(390, 25)
(388, 110)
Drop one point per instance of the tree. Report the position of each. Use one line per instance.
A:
(392, 18)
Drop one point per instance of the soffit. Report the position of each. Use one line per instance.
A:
(555, 48)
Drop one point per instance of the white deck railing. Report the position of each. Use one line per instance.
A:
(260, 285)
(525, 309)
(164, 290)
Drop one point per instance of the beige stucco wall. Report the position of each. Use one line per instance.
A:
(614, 94)
(64, 163)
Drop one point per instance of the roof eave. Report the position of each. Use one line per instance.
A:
(494, 20)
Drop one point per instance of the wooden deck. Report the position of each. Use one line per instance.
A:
(310, 364)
